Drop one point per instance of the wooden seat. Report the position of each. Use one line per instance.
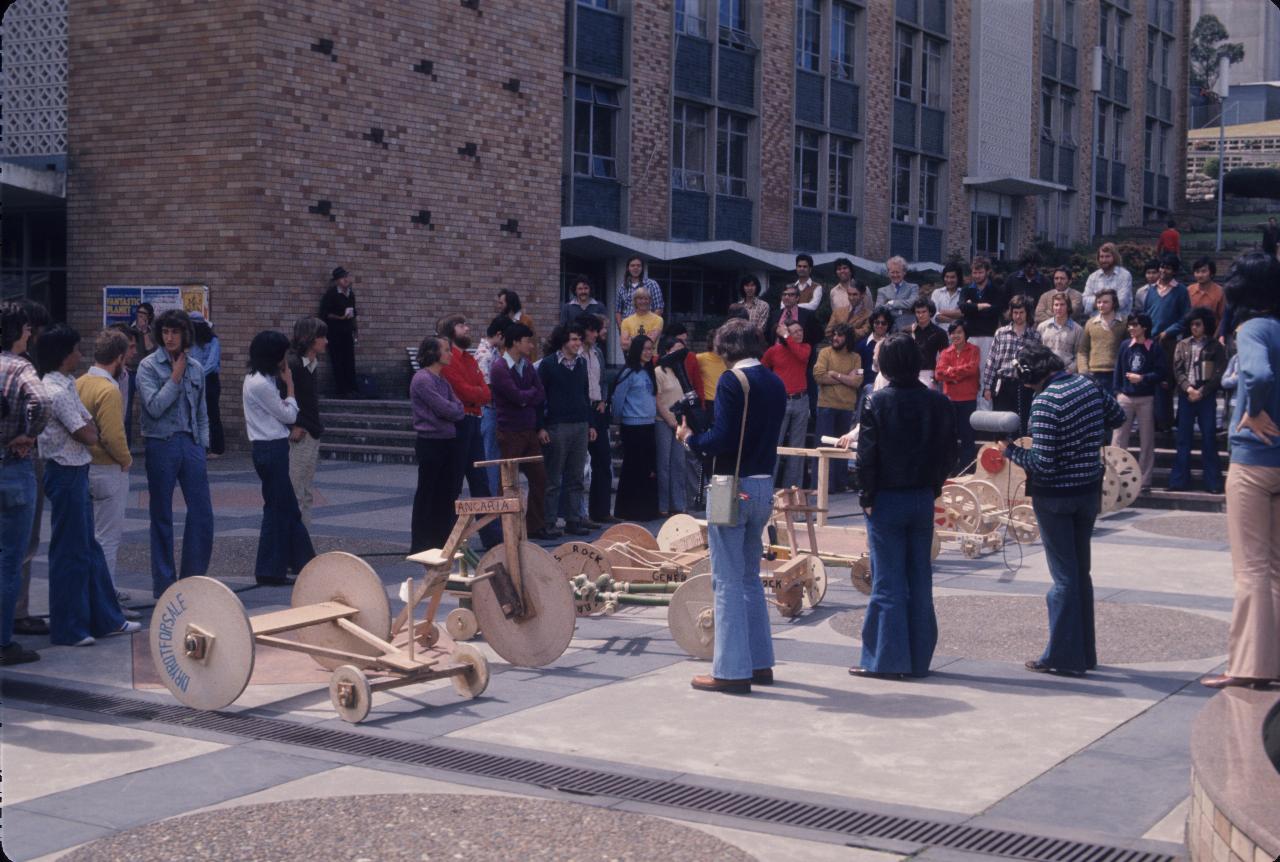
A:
(297, 618)
(432, 558)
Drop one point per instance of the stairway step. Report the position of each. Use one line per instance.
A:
(389, 421)
(1187, 501)
(393, 406)
(367, 453)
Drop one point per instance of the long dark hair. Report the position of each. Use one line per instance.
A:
(266, 351)
(511, 301)
(1254, 284)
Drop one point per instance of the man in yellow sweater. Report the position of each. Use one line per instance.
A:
(102, 389)
(1100, 344)
(838, 373)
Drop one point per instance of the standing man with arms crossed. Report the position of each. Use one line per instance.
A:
(310, 338)
(898, 294)
(1070, 421)
(1101, 340)
(338, 311)
(462, 373)
(789, 359)
(518, 397)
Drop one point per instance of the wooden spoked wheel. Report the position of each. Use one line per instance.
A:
(1122, 481)
(990, 498)
(582, 558)
(461, 624)
(816, 590)
(350, 694)
(691, 617)
(994, 467)
(472, 683)
(860, 575)
(681, 533)
(537, 638)
(341, 577)
(202, 643)
(963, 511)
(632, 533)
(700, 566)
(1023, 524)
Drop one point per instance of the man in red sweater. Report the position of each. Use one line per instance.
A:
(789, 359)
(464, 377)
(1170, 241)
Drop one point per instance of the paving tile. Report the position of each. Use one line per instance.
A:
(176, 788)
(45, 754)
(28, 835)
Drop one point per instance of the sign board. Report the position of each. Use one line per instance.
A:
(488, 506)
(119, 302)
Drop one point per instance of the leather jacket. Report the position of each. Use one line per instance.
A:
(907, 439)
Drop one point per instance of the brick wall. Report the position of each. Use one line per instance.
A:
(958, 223)
(652, 53)
(777, 128)
(877, 98)
(201, 134)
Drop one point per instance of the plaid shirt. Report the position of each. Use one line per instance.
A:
(24, 404)
(626, 305)
(1003, 351)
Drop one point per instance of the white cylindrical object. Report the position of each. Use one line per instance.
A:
(1095, 77)
(1223, 84)
(1003, 422)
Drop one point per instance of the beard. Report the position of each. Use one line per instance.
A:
(462, 341)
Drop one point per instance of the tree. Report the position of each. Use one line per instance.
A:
(1210, 168)
(1208, 43)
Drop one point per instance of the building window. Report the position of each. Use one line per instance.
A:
(930, 170)
(733, 24)
(1104, 111)
(904, 75)
(689, 148)
(808, 34)
(806, 169)
(1121, 53)
(1067, 117)
(1118, 135)
(595, 119)
(597, 4)
(900, 206)
(1058, 20)
(931, 74)
(731, 154)
(1048, 19)
(1046, 112)
(691, 18)
(843, 41)
(840, 176)
(1068, 22)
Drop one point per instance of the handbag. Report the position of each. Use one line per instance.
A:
(722, 491)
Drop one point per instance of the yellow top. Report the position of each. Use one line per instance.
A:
(711, 366)
(102, 398)
(649, 322)
(831, 392)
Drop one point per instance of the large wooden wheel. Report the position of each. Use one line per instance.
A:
(682, 533)
(1122, 480)
(634, 534)
(962, 512)
(341, 577)
(541, 635)
(816, 590)
(1023, 524)
(691, 617)
(860, 575)
(202, 643)
(582, 558)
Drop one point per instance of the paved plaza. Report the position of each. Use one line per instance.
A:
(981, 742)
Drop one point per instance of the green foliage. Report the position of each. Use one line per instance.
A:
(1208, 43)
(1210, 168)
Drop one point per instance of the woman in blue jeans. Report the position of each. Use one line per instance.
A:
(270, 407)
(743, 641)
(906, 448)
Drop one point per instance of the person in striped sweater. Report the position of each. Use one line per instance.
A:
(1071, 417)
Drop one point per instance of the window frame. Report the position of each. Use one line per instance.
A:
(806, 150)
(596, 163)
(690, 22)
(730, 128)
(808, 27)
(844, 21)
(841, 165)
(685, 130)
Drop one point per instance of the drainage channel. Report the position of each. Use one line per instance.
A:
(755, 807)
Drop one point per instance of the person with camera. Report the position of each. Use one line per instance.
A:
(1071, 417)
(738, 507)
(906, 449)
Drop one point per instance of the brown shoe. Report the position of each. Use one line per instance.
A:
(1228, 681)
(729, 686)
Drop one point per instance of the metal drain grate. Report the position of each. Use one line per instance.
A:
(756, 807)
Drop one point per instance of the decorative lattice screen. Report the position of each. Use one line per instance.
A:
(34, 78)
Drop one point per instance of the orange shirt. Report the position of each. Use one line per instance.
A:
(1210, 297)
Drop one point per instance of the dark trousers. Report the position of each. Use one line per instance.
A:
(1190, 414)
(1012, 396)
(601, 456)
(82, 601)
(1106, 380)
(283, 540)
(1066, 528)
(470, 448)
(212, 395)
(900, 629)
(637, 498)
(968, 451)
(342, 357)
(834, 422)
(438, 486)
(523, 444)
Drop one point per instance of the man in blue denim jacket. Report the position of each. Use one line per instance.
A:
(175, 425)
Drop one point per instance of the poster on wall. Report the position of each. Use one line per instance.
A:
(119, 302)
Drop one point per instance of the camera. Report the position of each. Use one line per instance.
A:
(686, 410)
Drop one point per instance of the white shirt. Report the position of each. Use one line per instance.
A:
(1120, 280)
(67, 416)
(267, 416)
(945, 300)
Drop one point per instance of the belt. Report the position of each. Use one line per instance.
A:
(797, 395)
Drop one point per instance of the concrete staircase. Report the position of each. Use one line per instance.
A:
(377, 432)
(1193, 500)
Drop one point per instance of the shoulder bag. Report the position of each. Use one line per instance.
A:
(722, 491)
